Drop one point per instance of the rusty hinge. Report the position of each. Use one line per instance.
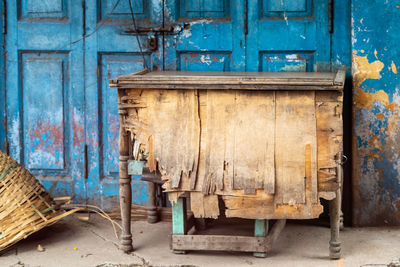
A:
(330, 15)
(86, 171)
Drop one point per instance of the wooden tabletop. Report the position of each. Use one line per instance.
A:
(146, 79)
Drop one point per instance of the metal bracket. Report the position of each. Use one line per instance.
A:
(135, 167)
(165, 29)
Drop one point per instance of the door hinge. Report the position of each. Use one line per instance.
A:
(330, 15)
(86, 170)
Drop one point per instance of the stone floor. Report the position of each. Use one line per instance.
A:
(72, 242)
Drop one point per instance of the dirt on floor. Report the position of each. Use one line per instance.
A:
(72, 242)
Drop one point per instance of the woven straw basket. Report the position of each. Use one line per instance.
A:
(25, 206)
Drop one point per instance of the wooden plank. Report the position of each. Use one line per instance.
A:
(251, 77)
(204, 206)
(260, 229)
(139, 72)
(170, 118)
(218, 243)
(340, 77)
(264, 207)
(295, 129)
(328, 107)
(217, 86)
(254, 142)
(219, 117)
(179, 217)
(201, 172)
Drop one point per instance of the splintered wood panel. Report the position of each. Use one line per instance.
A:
(218, 138)
(328, 107)
(171, 119)
(237, 143)
(295, 130)
(204, 206)
(254, 142)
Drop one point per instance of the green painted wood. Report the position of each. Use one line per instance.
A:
(179, 217)
(260, 229)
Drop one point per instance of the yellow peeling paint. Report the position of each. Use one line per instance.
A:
(376, 53)
(394, 69)
(365, 99)
(365, 70)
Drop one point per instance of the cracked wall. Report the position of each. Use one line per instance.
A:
(376, 113)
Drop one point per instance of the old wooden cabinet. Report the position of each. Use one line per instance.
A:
(268, 145)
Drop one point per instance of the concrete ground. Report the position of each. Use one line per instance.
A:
(72, 242)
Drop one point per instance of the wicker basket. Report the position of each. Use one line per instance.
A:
(25, 206)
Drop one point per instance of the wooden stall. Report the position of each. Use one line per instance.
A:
(268, 145)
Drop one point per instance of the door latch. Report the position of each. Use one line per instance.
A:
(165, 29)
(152, 43)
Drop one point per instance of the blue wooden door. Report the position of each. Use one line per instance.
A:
(45, 96)
(244, 35)
(209, 35)
(112, 51)
(62, 117)
(288, 35)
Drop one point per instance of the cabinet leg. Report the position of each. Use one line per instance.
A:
(125, 192)
(152, 216)
(260, 229)
(179, 219)
(334, 243)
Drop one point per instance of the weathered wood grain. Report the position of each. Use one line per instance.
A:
(175, 133)
(254, 142)
(269, 154)
(295, 129)
(204, 206)
(328, 107)
(218, 243)
(219, 119)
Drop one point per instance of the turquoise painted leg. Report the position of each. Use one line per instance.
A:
(179, 220)
(260, 229)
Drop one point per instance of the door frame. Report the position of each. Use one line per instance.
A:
(3, 101)
(341, 51)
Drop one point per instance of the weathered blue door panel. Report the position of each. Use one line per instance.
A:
(110, 52)
(44, 84)
(210, 35)
(288, 36)
(265, 35)
(60, 57)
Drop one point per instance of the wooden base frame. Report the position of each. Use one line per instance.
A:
(260, 244)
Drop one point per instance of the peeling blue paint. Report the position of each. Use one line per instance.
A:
(376, 172)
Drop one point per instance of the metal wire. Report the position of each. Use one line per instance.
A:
(137, 34)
